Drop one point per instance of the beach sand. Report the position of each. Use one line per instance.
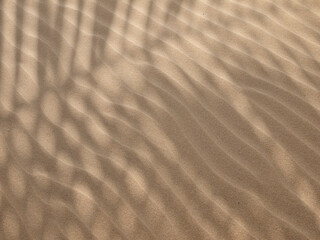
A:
(170, 119)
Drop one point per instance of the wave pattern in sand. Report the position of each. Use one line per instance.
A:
(173, 119)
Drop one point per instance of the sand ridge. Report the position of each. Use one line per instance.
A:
(173, 119)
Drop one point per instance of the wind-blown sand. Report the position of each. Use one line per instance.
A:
(173, 119)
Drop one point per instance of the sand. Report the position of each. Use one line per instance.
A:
(170, 119)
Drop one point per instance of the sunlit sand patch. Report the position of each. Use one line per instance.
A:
(3, 150)
(22, 146)
(97, 132)
(46, 138)
(283, 161)
(107, 81)
(65, 170)
(306, 193)
(41, 178)
(28, 117)
(72, 133)
(7, 92)
(84, 205)
(137, 185)
(91, 163)
(127, 220)
(52, 107)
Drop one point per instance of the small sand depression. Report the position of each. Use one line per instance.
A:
(171, 119)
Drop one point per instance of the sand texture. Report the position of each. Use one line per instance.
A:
(160, 119)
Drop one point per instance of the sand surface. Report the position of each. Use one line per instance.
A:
(168, 119)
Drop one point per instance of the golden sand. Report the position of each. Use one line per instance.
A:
(168, 119)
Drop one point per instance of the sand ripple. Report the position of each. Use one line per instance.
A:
(174, 119)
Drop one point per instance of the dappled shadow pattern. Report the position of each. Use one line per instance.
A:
(173, 119)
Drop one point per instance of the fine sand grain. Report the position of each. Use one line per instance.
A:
(160, 119)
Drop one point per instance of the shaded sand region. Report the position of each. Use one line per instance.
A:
(169, 120)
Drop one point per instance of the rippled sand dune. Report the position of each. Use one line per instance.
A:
(169, 119)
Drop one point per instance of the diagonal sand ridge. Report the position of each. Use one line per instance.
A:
(173, 119)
